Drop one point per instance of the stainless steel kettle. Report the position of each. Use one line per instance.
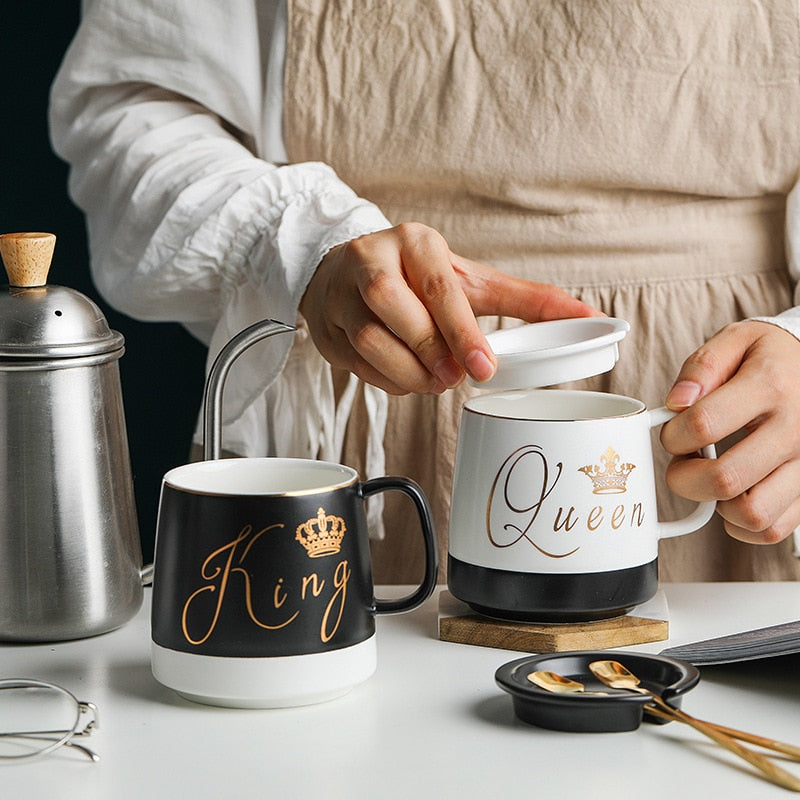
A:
(70, 555)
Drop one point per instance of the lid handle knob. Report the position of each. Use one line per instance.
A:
(27, 257)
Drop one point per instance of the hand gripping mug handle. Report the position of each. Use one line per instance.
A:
(704, 511)
(425, 589)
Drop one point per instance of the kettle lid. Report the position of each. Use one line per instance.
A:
(38, 320)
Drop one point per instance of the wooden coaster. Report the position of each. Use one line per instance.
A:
(646, 623)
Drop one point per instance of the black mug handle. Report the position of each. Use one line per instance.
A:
(412, 490)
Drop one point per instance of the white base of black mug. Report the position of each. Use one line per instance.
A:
(551, 597)
(273, 682)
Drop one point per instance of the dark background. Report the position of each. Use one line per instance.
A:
(162, 369)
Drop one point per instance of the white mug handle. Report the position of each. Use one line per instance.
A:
(705, 510)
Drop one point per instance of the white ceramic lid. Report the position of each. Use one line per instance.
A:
(546, 353)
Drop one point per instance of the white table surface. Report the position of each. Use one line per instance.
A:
(431, 723)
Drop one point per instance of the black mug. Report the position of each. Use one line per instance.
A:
(262, 588)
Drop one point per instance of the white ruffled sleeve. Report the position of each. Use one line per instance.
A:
(158, 109)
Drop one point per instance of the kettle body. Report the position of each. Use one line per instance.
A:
(70, 554)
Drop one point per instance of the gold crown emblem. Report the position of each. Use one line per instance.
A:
(611, 477)
(321, 535)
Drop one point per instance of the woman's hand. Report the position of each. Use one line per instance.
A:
(746, 378)
(398, 309)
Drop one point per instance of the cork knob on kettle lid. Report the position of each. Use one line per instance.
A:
(27, 257)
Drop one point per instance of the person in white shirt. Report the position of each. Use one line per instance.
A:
(357, 166)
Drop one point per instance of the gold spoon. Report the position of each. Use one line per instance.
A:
(613, 674)
(559, 684)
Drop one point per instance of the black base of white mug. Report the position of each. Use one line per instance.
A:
(551, 597)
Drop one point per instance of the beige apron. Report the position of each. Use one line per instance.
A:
(635, 153)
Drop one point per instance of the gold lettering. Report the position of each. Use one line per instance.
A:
(249, 603)
(340, 578)
(277, 600)
(503, 481)
(224, 572)
(569, 523)
(617, 517)
(518, 467)
(221, 564)
(316, 585)
(218, 582)
(184, 623)
(595, 518)
(637, 515)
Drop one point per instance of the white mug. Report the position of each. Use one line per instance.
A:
(553, 514)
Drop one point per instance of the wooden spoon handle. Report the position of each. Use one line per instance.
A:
(761, 762)
(791, 750)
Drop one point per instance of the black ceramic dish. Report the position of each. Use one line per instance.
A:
(620, 710)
